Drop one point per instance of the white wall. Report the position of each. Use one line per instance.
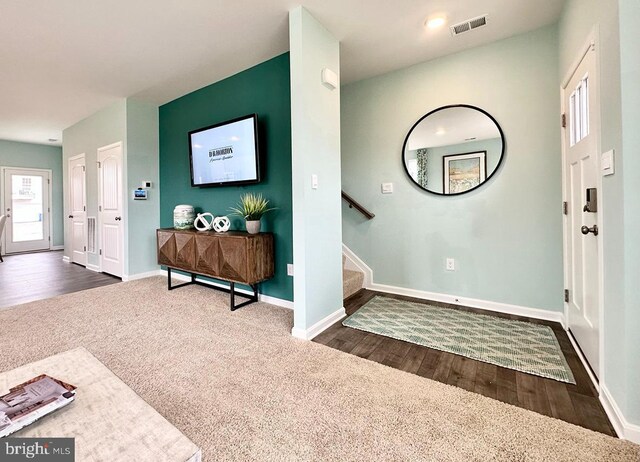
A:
(315, 127)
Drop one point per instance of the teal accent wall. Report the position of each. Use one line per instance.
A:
(264, 90)
(506, 236)
(315, 127)
(27, 155)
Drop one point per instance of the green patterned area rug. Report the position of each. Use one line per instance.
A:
(518, 345)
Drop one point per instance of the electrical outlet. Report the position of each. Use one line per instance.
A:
(289, 269)
(450, 265)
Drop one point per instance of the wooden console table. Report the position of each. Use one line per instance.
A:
(234, 257)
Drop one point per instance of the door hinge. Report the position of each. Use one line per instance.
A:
(564, 120)
(100, 251)
(566, 295)
(98, 164)
(84, 208)
(84, 169)
(48, 181)
(85, 248)
(99, 208)
(565, 208)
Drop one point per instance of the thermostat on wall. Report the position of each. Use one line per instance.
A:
(140, 194)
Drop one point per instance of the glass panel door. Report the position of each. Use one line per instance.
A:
(27, 208)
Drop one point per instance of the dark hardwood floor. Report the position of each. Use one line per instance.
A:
(577, 404)
(36, 276)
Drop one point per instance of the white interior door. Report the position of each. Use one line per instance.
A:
(28, 210)
(581, 182)
(110, 209)
(78, 209)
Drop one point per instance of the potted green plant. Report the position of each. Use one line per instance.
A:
(252, 207)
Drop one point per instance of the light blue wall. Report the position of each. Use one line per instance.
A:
(630, 96)
(142, 164)
(103, 128)
(135, 124)
(27, 155)
(315, 132)
(578, 20)
(506, 236)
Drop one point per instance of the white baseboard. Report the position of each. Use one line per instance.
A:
(353, 262)
(263, 298)
(56, 247)
(135, 277)
(518, 310)
(66, 259)
(94, 268)
(624, 429)
(320, 326)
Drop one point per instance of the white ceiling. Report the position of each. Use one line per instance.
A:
(63, 60)
(452, 126)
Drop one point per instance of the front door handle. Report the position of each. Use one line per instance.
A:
(586, 230)
(70, 216)
(118, 218)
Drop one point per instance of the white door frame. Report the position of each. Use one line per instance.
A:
(99, 217)
(49, 205)
(86, 236)
(592, 43)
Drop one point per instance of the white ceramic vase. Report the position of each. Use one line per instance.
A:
(183, 217)
(253, 226)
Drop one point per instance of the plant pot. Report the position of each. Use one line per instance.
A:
(253, 226)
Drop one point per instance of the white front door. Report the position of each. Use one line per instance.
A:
(584, 201)
(78, 209)
(110, 209)
(27, 207)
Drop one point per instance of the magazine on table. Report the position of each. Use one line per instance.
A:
(32, 400)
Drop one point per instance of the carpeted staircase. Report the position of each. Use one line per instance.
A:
(351, 280)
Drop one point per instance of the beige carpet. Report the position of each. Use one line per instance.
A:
(242, 388)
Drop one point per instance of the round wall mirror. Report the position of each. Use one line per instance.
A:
(453, 149)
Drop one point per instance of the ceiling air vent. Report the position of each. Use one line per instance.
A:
(468, 25)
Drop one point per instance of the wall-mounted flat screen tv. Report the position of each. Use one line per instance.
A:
(225, 153)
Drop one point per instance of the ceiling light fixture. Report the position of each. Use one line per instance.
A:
(435, 22)
(52, 140)
(440, 131)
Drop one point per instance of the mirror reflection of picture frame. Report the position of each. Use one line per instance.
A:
(463, 172)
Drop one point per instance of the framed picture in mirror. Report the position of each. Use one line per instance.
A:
(463, 172)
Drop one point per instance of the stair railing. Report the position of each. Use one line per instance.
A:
(353, 204)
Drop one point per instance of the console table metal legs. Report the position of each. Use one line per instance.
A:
(231, 290)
